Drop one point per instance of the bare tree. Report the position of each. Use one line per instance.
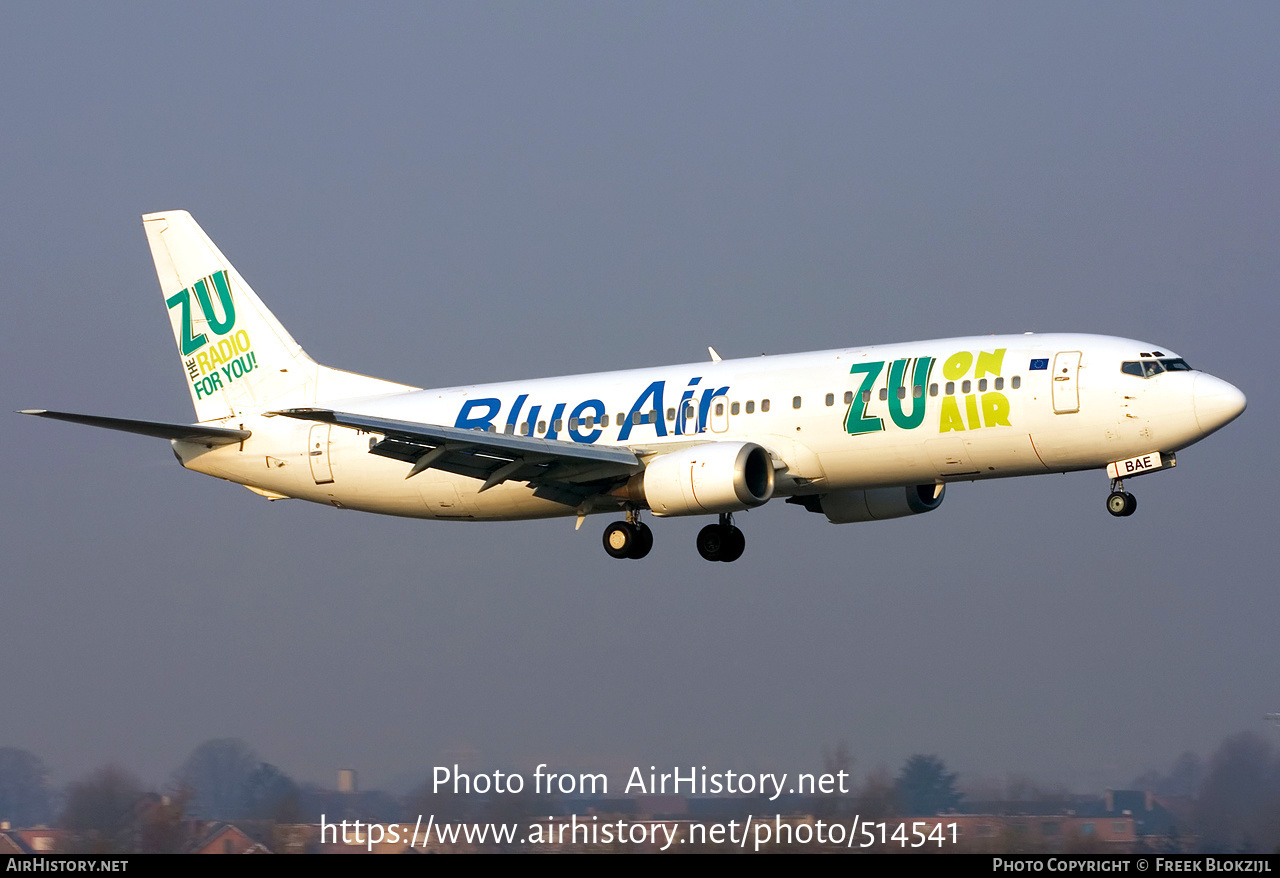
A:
(1238, 810)
(102, 811)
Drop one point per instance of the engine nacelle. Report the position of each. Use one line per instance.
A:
(873, 504)
(716, 477)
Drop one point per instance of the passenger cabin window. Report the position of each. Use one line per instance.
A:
(573, 423)
(719, 408)
(795, 402)
(734, 408)
(951, 388)
(933, 390)
(751, 406)
(1015, 382)
(866, 397)
(999, 384)
(884, 393)
(848, 397)
(671, 414)
(917, 391)
(964, 387)
(764, 405)
(604, 420)
(542, 426)
(982, 385)
(558, 423)
(831, 399)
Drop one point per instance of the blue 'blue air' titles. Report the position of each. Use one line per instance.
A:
(586, 419)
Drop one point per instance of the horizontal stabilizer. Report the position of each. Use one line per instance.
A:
(195, 432)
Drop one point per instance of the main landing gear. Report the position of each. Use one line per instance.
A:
(628, 539)
(1119, 503)
(633, 539)
(721, 542)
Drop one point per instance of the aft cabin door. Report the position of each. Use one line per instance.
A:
(1066, 370)
(318, 449)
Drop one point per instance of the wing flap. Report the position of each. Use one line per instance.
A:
(491, 458)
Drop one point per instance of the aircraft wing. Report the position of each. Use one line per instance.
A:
(565, 472)
(159, 429)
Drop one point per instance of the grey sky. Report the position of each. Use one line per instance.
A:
(454, 193)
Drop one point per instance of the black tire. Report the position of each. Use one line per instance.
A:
(643, 542)
(734, 545)
(1130, 505)
(620, 539)
(1118, 502)
(711, 542)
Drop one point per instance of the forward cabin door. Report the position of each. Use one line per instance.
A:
(1066, 393)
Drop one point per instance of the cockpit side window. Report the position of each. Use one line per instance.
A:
(1132, 367)
(1178, 364)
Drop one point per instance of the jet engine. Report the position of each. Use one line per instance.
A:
(715, 477)
(873, 504)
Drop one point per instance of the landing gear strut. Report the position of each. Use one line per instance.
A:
(1120, 503)
(721, 542)
(628, 539)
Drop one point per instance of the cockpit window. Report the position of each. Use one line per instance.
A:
(1148, 368)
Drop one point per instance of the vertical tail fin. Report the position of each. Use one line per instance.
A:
(237, 357)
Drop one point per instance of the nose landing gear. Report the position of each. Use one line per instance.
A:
(1120, 503)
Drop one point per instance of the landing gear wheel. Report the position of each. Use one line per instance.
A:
(620, 539)
(721, 542)
(734, 544)
(711, 542)
(1117, 503)
(644, 541)
(1121, 504)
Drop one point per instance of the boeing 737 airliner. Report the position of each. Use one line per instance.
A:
(855, 434)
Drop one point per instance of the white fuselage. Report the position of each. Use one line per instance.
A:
(902, 414)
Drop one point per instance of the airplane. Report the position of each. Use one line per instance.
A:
(854, 434)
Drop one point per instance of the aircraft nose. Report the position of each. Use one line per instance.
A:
(1217, 403)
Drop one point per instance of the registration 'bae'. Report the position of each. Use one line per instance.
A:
(855, 434)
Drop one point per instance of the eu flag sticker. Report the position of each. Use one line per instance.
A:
(1039, 365)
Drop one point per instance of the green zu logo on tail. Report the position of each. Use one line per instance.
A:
(229, 354)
